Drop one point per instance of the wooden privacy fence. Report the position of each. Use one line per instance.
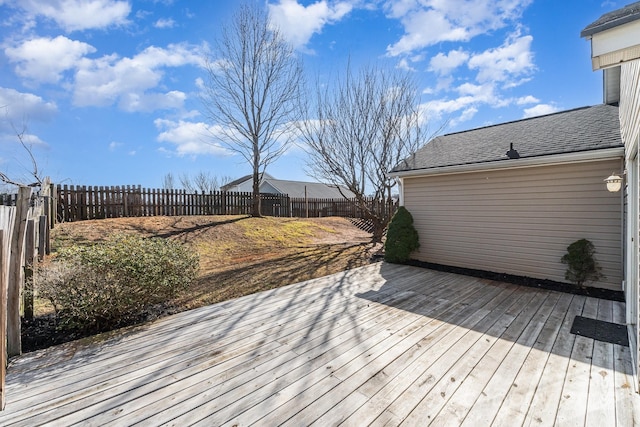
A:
(81, 202)
(75, 203)
(346, 208)
(24, 237)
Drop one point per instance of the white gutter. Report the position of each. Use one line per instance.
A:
(555, 159)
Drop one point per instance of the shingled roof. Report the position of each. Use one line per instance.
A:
(314, 190)
(629, 13)
(581, 129)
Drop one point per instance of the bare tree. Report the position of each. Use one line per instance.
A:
(34, 175)
(168, 181)
(251, 91)
(201, 181)
(359, 129)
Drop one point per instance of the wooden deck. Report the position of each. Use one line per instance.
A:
(379, 345)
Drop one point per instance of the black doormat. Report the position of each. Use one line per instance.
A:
(600, 330)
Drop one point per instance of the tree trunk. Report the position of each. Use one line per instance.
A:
(378, 229)
(255, 207)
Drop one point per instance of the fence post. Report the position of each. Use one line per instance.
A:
(44, 247)
(16, 273)
(29, 256)
(3, 321)
(52, 205)
(125, 200)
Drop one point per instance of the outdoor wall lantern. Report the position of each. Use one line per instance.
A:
(614, 183)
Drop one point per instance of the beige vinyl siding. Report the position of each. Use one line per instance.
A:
(518, 221)
(630, 103)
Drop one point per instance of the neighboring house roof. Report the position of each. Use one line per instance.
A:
(296, 189)
(241, 180)
(581, 129)
(314, 190)
(629, 13)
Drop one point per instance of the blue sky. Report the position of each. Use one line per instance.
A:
(107, 90)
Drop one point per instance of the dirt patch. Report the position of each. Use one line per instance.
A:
(239, 255)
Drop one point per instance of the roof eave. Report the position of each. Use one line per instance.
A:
(555, 159)
(613, 19)
(589, 32)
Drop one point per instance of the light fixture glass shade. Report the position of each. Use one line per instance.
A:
(614, 183)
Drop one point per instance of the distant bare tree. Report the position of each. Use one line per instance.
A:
(358, 129)
(168, 181)
(33, 177)
(201, 181)
(252, 90)
(225, 179)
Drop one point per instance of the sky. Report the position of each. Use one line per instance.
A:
(106, 92)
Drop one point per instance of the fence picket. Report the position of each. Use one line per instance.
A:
(3, 319)
(76, 203)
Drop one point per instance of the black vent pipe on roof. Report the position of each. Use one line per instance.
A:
(513, 154)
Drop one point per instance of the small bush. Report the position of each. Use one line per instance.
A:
(402, 237)
(104, 285)
(581, 263)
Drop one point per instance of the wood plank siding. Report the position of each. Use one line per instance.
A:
(380, 345)
(519, 221)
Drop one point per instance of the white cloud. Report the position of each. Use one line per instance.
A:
(299, 23)
(74, 15)
(16, 107)
(451, 112)
(110, 79)
(113, 145)
(433, 21)
(539, 110)
(479, 92)
(425, 28)
(444, 64)
(8, 137)
(404, 65)
(524, 100)
(513, 58)
(464, 107)
(165, 23)
(17, 111)
(152, 101)
(190, 138)
(440, 107)
(43, 59)
(467, 114)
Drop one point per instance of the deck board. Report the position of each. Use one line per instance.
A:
(379, 345)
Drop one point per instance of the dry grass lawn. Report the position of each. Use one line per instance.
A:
(239, 255)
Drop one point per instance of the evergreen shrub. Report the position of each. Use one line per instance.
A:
(402, 237)
(581, 263)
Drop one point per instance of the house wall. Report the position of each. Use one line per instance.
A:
(243, 187)
(519, 221)
(617, 38)
(630, 132)
(265, 187)
(630, 104)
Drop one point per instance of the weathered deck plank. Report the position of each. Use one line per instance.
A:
(515, 405)
(572, 409)
(601, 404)
(379, 345)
